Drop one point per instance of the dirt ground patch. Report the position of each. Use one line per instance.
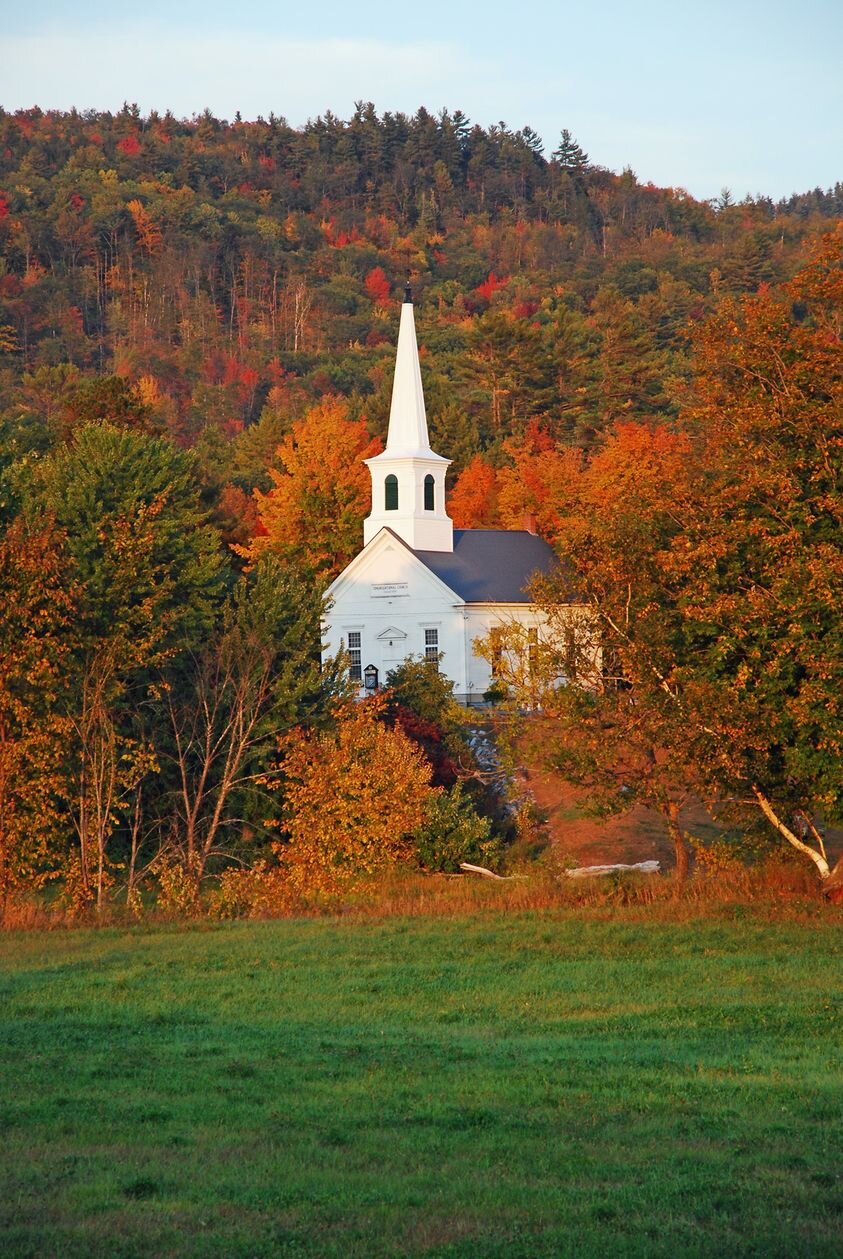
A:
(639, 835)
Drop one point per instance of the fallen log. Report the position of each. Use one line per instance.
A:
(587, 872)
(487, 874)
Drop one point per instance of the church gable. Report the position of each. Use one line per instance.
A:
(387, 605)
(387, 573)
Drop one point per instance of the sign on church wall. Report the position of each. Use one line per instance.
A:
(390, 589)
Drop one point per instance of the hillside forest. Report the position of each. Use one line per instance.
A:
(197, 331)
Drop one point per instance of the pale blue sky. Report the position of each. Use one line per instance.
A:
(747, 94)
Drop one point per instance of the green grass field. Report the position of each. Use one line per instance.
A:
(527, 1085)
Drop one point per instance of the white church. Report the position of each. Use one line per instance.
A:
(420, 587)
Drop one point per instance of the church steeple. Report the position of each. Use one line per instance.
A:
(407, 417)
(408, 478)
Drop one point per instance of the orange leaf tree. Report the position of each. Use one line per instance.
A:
(321, 490)
(537, 481)
(473, 502)
(759, 562)
(618, 731)
(378, 286)
(714, 562)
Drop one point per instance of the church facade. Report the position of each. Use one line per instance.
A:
(419, 587)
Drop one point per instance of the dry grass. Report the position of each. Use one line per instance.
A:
(777, 887)
(29, 913)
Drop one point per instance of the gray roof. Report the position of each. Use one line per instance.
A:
(491, 565)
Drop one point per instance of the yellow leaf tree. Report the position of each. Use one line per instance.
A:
(353, 798)
(36, 638)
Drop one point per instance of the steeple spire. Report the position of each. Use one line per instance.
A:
(407, 418)
(408, 478)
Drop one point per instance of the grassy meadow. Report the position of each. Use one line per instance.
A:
(543, 1084)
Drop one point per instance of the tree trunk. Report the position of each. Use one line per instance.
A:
(833, 885)
(680, 844)
(133, 858)
(772, 817)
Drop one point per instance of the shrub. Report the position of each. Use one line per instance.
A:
(452, 831)
(178, 891)
(264, 891)
(354, 797)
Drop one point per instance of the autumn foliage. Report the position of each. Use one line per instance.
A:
(194, 315)
(320, 490)
(36, 640)
(378, 286)
(353, 798)
(711, 557)
(537, 482)
(473, 502)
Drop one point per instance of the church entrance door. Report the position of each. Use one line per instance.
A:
(393, 644)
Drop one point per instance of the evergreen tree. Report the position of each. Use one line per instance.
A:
(569, 156)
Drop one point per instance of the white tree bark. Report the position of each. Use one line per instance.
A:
(772, 817)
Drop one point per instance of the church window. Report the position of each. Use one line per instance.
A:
(431, 646)
(428, 493)
(390, 487)
(355, 656)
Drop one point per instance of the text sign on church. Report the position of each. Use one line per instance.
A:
(389, 589)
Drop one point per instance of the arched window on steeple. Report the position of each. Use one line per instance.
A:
(390, 493)
(428, 493)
